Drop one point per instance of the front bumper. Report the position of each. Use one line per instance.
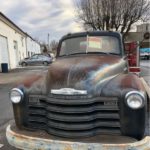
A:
(28, 142)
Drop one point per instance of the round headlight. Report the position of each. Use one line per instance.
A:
(135, 99)
(16, 95)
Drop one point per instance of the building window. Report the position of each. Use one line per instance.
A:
(19, 55)
(22, 41)
(15, 45)
(146, 27)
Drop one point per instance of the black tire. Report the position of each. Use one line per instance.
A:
(24, 64)
(147, 130)
(45, 63)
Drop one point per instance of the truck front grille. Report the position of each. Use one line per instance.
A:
(74, 116)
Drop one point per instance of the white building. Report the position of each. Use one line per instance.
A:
(15, 44)
(12, 43)
(139, 35)
(33, 47)
(145, 27)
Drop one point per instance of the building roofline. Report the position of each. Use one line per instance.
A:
(17, 27)
(11, 22)
(32, 38)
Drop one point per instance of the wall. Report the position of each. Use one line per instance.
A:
(32, 47)
(138, 36)
(12, 36)
(143, 27)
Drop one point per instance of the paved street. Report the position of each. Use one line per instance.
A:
(145, 63)
(145, 70)
(6, 83)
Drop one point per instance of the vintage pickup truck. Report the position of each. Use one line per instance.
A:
(88, 99)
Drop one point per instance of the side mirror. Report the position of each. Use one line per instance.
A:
(125, 57)
(146, 36)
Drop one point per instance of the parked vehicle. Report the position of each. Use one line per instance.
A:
(37, 59)
(88, 92)
(145, 53)
(53, 56)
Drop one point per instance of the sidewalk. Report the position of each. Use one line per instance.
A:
(145, 63)
(145, 73)
(33, 68)
(19, 74)
(145, 70)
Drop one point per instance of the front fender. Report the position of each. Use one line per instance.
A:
(133, 122)
(35, 84)
(122, 84)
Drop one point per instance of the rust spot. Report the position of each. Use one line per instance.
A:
(68, 147)
(132, 81)
(30, 79)
(76, 71)
(28, 82)
(21, 141)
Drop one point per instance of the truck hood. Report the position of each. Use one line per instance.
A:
(85, 72)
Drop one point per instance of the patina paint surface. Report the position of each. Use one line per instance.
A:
(101, 75)
(36, 83)
(86, 72)
(122, 84)
(29, 142)
(97, 74)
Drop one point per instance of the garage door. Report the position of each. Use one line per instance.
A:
(4, 57)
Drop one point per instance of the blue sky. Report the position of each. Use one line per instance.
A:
(40, 17)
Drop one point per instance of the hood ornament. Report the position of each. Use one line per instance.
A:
(68, 91)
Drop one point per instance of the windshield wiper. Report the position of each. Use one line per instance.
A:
(108, 53)
(97, 53)
(70, 54)
(76, 53)
(113, 54)
(90, 53)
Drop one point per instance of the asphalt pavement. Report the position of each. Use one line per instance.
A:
(7, 82)
(145, 70)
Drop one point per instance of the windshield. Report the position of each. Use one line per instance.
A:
(101, 44)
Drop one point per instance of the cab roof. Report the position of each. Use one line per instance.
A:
(92, 33)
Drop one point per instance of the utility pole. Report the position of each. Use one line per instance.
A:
(48, 41)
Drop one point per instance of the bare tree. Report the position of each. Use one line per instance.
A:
(118, 15)
(53, 45)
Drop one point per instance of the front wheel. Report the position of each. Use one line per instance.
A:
(24, 64)
(45, 63)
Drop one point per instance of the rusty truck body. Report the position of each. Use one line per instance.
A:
(87, 96)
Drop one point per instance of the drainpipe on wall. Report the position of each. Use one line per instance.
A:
(26, 46)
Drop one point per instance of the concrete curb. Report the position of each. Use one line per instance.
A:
(147, 88)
